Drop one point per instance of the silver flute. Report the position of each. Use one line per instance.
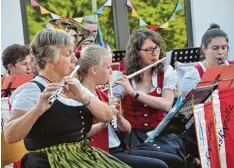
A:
(55, 95)
(139, 71)
(112, 105)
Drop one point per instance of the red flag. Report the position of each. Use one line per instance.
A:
(226, 138)
(153, 27)
(211, 136)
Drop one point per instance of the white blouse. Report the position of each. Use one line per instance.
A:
(27, 95)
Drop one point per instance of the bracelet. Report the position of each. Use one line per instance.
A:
(89, 101)
(137, 95)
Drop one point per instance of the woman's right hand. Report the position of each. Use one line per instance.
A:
(43, 105)
(126, 84)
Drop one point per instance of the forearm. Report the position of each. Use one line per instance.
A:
(160, 103)
(17, 128)
(123, 124)
(96, 128)
(99, 109)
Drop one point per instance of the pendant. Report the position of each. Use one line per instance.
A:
(159, 90)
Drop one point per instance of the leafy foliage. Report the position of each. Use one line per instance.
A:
(155, 12)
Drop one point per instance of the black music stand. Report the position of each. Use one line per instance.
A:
(185, 55)
(118, 55)
(180, 118)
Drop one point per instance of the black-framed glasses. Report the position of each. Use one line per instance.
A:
(150, 50)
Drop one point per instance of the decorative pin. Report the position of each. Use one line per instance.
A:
(159, 90)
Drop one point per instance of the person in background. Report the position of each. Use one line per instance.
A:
(16, 59)
(214, 49)
(56, 134)
(95, 69)
(34, 65)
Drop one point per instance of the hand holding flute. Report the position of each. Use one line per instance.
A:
(141, 70)
(54, 96)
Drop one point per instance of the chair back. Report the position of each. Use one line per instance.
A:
(11, 153)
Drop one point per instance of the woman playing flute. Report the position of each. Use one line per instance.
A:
(95, 69)
(56, 135)
(147, 96)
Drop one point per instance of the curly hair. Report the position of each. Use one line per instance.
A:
(13, 54)
(45, 45)
(212, 32)
(135, 42)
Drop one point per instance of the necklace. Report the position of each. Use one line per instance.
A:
(45, 78)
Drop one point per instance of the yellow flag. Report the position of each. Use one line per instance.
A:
(164, 26)
(80, 19)
(134, 13)
(43, 10)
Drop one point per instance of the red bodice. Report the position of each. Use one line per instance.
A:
(140, 115)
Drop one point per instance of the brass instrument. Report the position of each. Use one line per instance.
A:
(80, 34)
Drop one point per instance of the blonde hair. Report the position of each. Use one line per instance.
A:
(92, 55)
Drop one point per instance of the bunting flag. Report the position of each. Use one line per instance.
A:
(142, 22)
(79, 19)
(90, 18)
(173, 17)
(134, 13)
(66, 18)
(54, 16)
(164, 26)
(153, 27)
(108, 3)
(43, 10)
(34, 3)
(179, 6)
(99, 11)
(129, 4)
(99, 36)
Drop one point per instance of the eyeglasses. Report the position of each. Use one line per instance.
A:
(151, 50)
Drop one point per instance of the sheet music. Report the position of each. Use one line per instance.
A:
(198, 95)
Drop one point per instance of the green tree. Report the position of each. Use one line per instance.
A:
(158, 12)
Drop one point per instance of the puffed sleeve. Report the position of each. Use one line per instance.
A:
(190, 80)
(25, 97)
(170, 78)
(118, 91)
